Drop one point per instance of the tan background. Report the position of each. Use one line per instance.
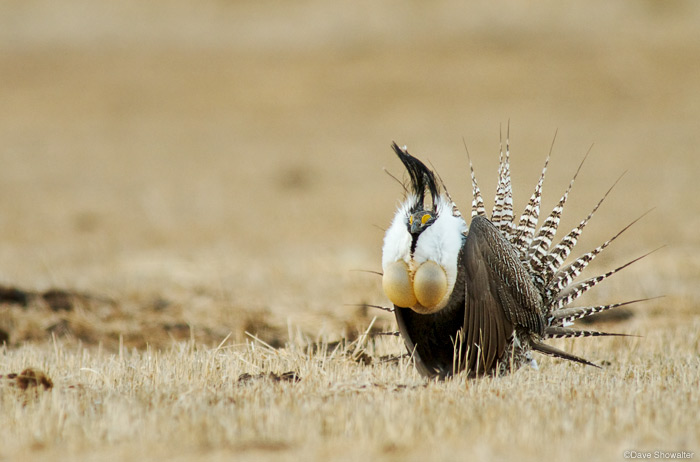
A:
(194, 169)
(228, 155)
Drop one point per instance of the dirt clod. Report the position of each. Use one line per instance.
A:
(29, 378)
(289, 376)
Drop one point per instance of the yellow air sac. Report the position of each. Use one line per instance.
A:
(429, 286)
(397, 285)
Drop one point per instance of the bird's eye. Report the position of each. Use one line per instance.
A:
(425, 218)
(410, 220)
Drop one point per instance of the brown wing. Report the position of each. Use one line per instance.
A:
(500, 296)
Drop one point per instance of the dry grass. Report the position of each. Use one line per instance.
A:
(188, 402)
(175, 174)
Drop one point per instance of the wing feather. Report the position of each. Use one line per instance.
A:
(487, 324)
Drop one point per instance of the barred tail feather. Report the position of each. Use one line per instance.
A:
(497, 203)
(564, 316)
(567, 332)
(502, 216)
(540, 245)
(575, 291)
(528, 220)
(564, 277)
(560, 253)
(477, 201)
(455, 209)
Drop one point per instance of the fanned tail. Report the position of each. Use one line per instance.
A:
(545, 262)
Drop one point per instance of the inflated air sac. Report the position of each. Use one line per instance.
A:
(429, 286)
(397, 284)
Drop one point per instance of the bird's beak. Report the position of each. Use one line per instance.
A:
(416, 227)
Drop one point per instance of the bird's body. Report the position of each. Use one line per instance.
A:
(481, 298)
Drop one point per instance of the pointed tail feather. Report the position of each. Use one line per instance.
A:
(556, 352)
(561, 252)
(564, 316)
(567, 332)
(455, 210)
(540, 245)
(502, 216)
(498, 205)
(564, 277)
(528, 220)
(575, 291)
(477, 201)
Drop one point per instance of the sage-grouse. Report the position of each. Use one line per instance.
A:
(481, 298)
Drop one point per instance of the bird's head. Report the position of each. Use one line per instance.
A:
(422, 245)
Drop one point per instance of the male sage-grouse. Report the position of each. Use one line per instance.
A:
(481, 298)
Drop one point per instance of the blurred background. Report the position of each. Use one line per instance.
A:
(220, 163)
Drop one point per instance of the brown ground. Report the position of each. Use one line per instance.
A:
(194, 169)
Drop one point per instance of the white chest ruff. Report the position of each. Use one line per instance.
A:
(430, 271)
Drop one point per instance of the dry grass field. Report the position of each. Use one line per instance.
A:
(187, 189)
